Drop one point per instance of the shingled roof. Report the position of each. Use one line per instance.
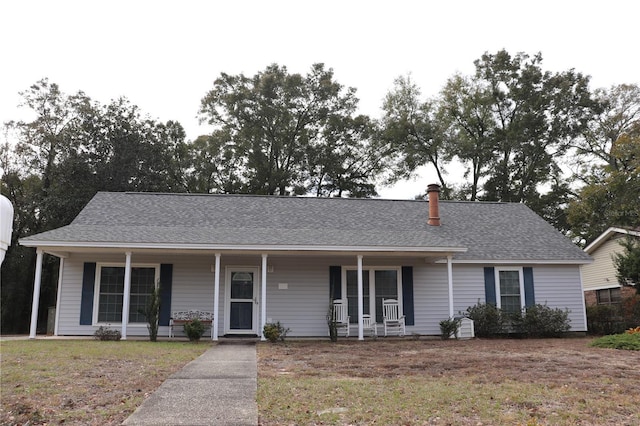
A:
(476, 231)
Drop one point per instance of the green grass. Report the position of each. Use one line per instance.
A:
(84, 381)
(424, 401)
(515, 382)
(624, 341)
(482, 382)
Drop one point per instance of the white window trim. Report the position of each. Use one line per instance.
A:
(372, 285)
(96, 290)
(498, 269)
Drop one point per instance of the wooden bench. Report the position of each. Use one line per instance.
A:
(181, 317)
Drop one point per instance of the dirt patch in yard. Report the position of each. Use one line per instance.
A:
(559, 381)
(554, 360)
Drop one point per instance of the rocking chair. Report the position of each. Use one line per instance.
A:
(393, 320)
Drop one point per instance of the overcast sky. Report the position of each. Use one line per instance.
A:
(164, 55)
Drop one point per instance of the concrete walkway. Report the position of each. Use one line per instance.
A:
(218, 388)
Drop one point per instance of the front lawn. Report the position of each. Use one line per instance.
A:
(83, 382)
(388, 381)
(477, 382)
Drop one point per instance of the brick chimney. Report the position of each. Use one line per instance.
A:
(433, 191)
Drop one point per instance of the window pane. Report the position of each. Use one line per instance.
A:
(112, 279)
(616, 295)
(137, 305)
(609, 296)
(142, 280)
(386, 288)
(142, 284)
(510, 301)
(111, 290)
(510, 304)
(352, 294)
(110, 308)
(603, 297)
(509, 282)
(241, 316)
(242, 285)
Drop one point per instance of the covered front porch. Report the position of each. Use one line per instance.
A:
(245, 289)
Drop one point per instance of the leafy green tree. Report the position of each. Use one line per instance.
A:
(611, 196)
(618, 113)
(46, 142)
(465, 108)
(628, 263)
(71, 148)
(215, 165)
(509, 124)
(276, 126)
(536, 114)
(345, 161)
(130, 152)
(411, 134)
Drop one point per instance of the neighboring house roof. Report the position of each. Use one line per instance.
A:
(606, 235)
(472, 230)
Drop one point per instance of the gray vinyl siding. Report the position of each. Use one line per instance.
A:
(468, 286)
(70, 297)
(559, 287)
(302, 307)
(431, 298)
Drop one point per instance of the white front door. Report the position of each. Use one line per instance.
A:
(241, 300)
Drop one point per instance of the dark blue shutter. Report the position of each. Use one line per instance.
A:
(407, 294)
(335, 282)
(166, 278)
(490, 285)
(86, 301)
(529, 297)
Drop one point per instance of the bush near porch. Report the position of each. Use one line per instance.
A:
(533, 321)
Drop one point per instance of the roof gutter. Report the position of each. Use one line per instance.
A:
(520, 261)
(227, 247)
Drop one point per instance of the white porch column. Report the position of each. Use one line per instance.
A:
(360, 301)
(263, 298)
(216, 299)
(127, 295)
(60, 273)
(36, 295)
(450, 279)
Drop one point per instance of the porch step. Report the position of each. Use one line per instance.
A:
(238, 340)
